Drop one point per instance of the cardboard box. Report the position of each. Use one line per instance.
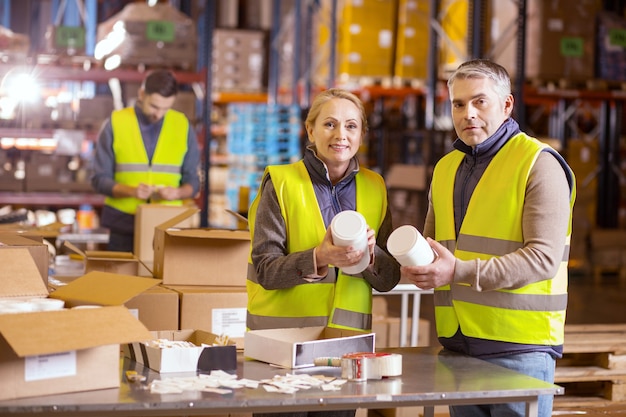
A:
(149, 216)
(387, 331)
(407, 177)
(108, 261)
(298, 347)
(35, 246)
(412, 33)
(203, 357)
(157, 308)
(219, 310)
(55, 352)
(560, 41)
(216, 257)
(61, 351)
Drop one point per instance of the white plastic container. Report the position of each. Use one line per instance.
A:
(47, 304)
(349, 228)
(409, 247)
(15, 306)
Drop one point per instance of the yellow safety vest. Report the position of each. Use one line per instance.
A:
(132, 166)
(534, 314)
(344, 301)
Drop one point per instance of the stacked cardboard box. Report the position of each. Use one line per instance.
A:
(412, 40)
(53, 171)
(560, 40)
(239, 60)
(158, 35)
(365, 40)
(608, 252)
(207, 269)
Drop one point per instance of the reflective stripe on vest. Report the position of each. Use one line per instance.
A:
(343, 301)
(534, 314)
(132, 166)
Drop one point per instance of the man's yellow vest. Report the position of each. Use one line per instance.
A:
(343, 301)
(132, 166)
(492, 227)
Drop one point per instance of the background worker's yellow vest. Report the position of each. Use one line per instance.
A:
(344, 302)
(534, 314)
(132, 166)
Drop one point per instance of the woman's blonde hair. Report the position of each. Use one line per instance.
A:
(330, 94)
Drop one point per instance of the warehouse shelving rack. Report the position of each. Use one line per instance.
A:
(422, 107)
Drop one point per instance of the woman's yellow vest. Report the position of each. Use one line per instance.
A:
(492, 227)
(343, 301)
(132, 166)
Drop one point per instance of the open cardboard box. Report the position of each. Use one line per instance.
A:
(37, 249)
(149, 216)
(205, 357)
(108, 261)
(188, 256)
(67, 350)
(299, 347)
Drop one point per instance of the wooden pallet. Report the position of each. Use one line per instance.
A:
(593, 367)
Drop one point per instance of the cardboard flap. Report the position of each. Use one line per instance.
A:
(74, 248)
(103, 288)
(12, 239)
(237, 216)
(177, 219)
(49, 332)
(101, 254)
(19, 274)
(225, 234)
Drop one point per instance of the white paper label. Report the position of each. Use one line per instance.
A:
(229, 321)
(55, 365)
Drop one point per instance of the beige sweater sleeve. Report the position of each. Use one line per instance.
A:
(545, 223)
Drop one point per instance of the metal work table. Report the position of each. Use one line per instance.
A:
(429, 378)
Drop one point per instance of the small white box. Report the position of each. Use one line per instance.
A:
(205, 356)
(299, 347)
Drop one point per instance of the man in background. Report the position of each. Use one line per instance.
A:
(147, 153)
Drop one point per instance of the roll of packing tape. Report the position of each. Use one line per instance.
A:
(362, 366)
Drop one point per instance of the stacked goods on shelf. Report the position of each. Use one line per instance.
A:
(140, 34)
(608, 252)
(412, 38)
(560, 40)
(12, 170)
(92, 112)
(13, 46)
(453, 15)
(365, 40)
(239, 60)
(611, 43)
(58, 172)
(258, 135)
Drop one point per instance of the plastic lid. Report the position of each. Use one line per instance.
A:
(402, 240)
(348, 224)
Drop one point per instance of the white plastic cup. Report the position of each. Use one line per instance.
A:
(349, 228)
(409, 247)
